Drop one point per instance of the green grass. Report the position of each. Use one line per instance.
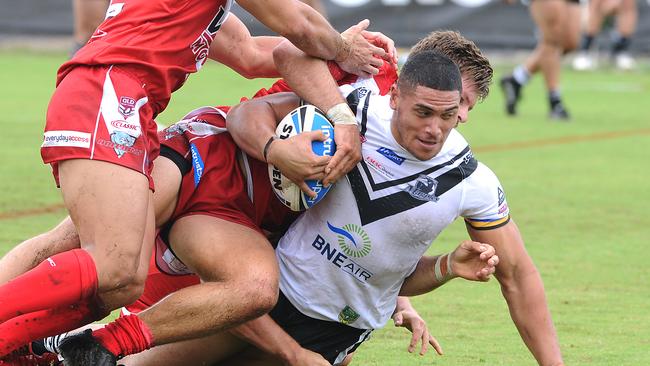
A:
(581, 200)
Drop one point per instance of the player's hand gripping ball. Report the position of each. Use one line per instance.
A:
(304, 118)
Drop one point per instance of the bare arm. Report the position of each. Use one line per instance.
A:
(471, 260)
(311, 32)
(252, 126)
(265, 334)
(523, 290)
(252, 57)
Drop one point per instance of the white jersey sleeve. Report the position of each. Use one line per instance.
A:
(484, 203)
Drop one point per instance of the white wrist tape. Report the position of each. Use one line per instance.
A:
(341, 114)
(442, 269)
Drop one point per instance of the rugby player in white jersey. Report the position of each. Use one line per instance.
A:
(346, 260)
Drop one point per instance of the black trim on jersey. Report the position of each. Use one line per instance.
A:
(391, 183)
(353, 100)
(372, 210)
(487, 227)
(214, 25)
(183, 164)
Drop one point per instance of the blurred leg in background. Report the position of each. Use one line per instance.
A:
(626, 14)
(558, 25)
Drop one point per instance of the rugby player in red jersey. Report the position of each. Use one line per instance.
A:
(100, 139)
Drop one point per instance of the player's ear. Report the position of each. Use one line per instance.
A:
(394, 95)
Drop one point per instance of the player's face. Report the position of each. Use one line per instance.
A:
(467, 100)
(423, 119)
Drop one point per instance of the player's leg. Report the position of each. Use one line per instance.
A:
(550, 16)
(200, 351)
(571, 38)
(626, 20)
(239, 270)
(107, 198)
(63, 237)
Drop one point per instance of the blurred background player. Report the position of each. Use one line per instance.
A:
(87, 14)
(626, 13)
(558, 25)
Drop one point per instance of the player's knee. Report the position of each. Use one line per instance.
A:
(265, 296)
(119, 273)
(262, 288)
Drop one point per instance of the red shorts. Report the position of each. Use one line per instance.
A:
(101, 113)
(159, 285)
(223, 181)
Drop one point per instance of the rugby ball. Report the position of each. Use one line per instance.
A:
(302, 119)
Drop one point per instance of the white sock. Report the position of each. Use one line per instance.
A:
(521, 75)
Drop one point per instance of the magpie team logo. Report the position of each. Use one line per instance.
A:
(352, 239)
(423, 189)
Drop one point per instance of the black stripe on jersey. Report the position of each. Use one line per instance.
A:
(303, 114)
(372, 210)
(391, 183)
(353, 100)
(364, 117)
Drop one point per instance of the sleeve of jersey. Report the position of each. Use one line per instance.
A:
(484, 205)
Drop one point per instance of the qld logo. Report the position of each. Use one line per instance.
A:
(126, 106)
(353, 240)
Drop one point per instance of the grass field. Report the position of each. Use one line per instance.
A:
(579, 191)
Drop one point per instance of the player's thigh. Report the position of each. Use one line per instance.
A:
(108, 204)
(220, 250)
(572, 27)
(167, 178)
(549, 16)
(200, 351)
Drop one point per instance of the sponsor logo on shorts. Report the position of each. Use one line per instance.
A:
(66, 138)
(126, 127)
(423, 189)
(126, 106)
(348, 315)
(391, 155)
(119, 143)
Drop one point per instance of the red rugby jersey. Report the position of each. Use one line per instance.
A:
(161, 42)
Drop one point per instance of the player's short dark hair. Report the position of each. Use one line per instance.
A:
(430, 69)
(464, 53)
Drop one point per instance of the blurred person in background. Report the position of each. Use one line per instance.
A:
(558, 25)
(87, 14)
(626, 13)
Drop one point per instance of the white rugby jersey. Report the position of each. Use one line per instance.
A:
(346, 258)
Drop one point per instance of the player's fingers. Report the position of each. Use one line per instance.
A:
(320, 162)
(305, 188)
(368, 69)
(317, 135)
(425, 343)
(398, 319)
(363, 25)
(434, 342)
